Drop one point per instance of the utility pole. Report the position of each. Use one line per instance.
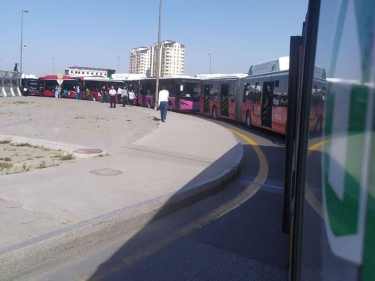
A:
(22, 45)
(210, 63)
(158, 62)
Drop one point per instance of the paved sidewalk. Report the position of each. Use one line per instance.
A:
(53, 213)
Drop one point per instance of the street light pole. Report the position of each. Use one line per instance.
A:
(22, 46)
(118, 64)
(210, 63)
(158, 62)
(53, 66)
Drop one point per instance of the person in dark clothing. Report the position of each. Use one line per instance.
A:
(267, 108)
(103, 94)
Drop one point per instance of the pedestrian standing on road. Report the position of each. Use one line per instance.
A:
(112, 98)
(78, 92)
(119, 94)
(163, 103)
(131, 97)
(103, 93)
(57, 91)
(124, 96)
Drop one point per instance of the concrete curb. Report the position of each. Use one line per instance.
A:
(24, 258)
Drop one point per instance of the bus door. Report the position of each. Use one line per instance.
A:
(224, 94)
(206, 98)
(178, 89)
(267, 97)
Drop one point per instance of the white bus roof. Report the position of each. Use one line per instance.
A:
(179, 76)
(30, 76)
(220, 75)
(279, 64)
(127, 76)
(95, 78)
(319, 72)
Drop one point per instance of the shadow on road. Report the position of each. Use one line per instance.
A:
(245, 243)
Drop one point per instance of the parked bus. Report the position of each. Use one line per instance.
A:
(91, 87)
(48, 83)
(184, 92)
(219, 95)
(261, 98)
(131, 82)
(29, 85)
(329, 190)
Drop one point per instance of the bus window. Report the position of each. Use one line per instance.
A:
(284, 99)
(50, 85)
(191, 91)
(276, 83)
(246, 92)
(69, 85)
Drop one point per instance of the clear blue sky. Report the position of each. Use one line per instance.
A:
(94, 33)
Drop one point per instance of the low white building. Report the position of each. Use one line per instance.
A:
(86, 71)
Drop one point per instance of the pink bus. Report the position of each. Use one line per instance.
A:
(184, 92)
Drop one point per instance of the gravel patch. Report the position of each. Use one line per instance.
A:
(75, 122)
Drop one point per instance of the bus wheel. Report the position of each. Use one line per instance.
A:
(170, 106)
(319, 125)
(248, 119)
(148, 104)
(214, 113)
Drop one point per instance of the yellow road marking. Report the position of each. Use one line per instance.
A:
(310, 196)
(237, 201)
(315, 146)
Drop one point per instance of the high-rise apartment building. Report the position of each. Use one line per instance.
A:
(139, 61)
(172, 58)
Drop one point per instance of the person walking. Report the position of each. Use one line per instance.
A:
(131, 97)
(112, 98)
(163, 103)
(124, 96)
(57, 91)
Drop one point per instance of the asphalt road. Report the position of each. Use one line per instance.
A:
(210, 240)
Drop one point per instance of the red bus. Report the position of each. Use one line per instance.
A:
(261, 98)
(48, 83)
(91, 86)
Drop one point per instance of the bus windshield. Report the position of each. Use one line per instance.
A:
(191, 91)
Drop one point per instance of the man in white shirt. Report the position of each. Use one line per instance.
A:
(112, 94)
(163, 103)
(131, 97)
(119, 92)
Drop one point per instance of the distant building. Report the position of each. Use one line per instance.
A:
(172, 58)
(139, 61)
(88, 71)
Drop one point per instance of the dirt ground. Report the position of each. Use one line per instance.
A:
(23, 157)
(78, 123)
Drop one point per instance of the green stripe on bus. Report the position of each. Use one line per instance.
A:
(343, 214)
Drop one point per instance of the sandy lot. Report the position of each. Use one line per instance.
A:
(74, 122)
(22, 157)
